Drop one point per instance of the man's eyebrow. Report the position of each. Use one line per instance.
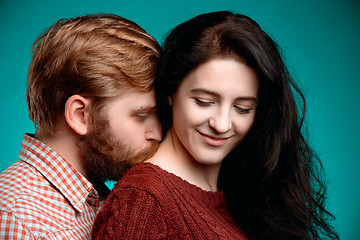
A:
(208, 92)
(148, 108)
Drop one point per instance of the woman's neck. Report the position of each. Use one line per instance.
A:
(173, 157)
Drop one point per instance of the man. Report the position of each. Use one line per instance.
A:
(90, 95)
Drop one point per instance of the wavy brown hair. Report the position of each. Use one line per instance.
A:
(94, 56)
(272, 179)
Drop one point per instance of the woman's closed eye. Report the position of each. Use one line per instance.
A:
(242, 110)
(202, 102)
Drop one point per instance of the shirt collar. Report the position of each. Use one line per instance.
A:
(74, 186)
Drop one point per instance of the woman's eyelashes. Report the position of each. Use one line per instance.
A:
(242, 110)
(203, 103)
(207, 103)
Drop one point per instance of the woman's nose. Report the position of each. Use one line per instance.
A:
(221, 122)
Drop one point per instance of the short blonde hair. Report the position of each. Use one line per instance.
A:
(95, 56)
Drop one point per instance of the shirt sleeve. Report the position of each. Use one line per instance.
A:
(130, 213)
(12, 228)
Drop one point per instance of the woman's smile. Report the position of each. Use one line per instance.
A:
(213, 140)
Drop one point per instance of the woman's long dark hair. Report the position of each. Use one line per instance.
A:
(272, 180)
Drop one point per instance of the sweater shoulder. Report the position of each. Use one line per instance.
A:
(144, 177)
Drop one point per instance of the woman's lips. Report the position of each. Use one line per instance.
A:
(213, 141)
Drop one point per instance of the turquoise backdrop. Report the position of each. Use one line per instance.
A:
(320, 40)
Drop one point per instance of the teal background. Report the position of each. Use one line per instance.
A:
(320, 40)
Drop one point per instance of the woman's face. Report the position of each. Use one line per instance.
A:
(214, 108)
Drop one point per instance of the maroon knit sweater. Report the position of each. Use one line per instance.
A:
(151, 203)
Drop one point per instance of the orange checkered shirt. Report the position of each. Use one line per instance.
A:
(43, 197)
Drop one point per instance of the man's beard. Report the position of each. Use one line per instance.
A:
(105, 156)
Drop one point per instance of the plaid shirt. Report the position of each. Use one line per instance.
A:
(43, 197)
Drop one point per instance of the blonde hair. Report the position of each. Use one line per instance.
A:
(95, 56)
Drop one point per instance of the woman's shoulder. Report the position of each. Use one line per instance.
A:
(144, 177)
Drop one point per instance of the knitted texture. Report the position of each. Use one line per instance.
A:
(151, 203)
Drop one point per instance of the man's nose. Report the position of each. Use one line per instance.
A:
(154, 130)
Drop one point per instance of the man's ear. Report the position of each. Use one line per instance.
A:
(77, 115)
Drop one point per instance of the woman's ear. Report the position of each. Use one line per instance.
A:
(170, 99)
(76, 114)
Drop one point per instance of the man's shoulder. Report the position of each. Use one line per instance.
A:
(23, 189)
(14, 181)
(26, 195)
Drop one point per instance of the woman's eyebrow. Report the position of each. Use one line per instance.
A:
(209, 92)
(205, 91)
(248, 99)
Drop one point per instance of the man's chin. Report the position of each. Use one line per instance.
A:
(145, 154)
(107, 157)
(113, 165)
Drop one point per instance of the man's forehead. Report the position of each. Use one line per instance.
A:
(138, 100)
(133, 93)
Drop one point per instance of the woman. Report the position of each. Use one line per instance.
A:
(234, 163)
